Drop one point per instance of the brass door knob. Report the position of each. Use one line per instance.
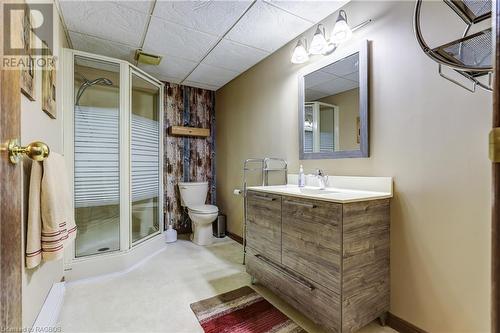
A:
(37, 151)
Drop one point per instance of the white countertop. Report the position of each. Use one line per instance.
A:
(376, 188)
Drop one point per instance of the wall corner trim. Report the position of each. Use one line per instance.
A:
(51, 307)
(401, 325)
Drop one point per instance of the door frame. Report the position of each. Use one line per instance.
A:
(495, 207)
(11, 252)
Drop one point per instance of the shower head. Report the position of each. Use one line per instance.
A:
(101, 80)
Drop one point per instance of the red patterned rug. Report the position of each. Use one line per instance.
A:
(242, 311)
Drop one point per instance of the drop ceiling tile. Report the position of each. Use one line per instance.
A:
(318, 77)
(353, 76)
(101, 46)
(313, 95)
(311, 10)
(105, 19)
(214, 17)
(171, 68)
(167, 38)
(335, 86)
(211, 75)
(343, 67)
(234, 56)
(267, 27)
(140, 6)
(200, 85)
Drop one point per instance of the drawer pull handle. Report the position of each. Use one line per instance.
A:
(301, 204)
(289, 275)
(261, 197)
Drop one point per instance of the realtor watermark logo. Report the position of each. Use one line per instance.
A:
(27, 36)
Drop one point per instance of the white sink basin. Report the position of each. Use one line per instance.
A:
(333, 194)
(316, 191)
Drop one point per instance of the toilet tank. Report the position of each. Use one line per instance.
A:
(193, 194)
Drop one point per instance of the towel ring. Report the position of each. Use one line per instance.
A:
(37, 151)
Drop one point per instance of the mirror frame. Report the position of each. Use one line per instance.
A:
(339, 54)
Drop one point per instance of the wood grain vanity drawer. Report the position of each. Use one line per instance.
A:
(311, 240)
(319, 304)
(263, 228)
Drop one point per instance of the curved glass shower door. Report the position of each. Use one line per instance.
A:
(96, 155)
(145, 157)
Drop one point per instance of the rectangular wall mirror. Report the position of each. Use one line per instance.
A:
(333, 106)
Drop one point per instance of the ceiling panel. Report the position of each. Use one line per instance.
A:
(313, 95)
(318, 77)
(101, 46)
(140, 6)
(200, 85)
(311, 10)
(335, 86)
(106, 20)
(353, 76)
(171, 67)
(214, 17)
(267, 27)
(343, 67)
(168, 38)
(211, 75)
(215, 40)
(234, 56)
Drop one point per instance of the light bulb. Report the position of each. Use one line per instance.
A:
(318, 43)
(329, 49)
(299, 55)
(341, 31)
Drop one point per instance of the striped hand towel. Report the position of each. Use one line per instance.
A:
(51, 222)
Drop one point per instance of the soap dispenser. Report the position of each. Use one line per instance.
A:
(302, 177)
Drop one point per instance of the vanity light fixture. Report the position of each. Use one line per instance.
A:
(341, 31)
(300, 54)
(318, 43)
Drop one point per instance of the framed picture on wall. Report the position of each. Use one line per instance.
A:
(28, 63)
(48, 83)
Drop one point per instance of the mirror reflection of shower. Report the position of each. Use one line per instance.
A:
(87, 83)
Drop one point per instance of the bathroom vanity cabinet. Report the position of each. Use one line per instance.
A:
(329, 260)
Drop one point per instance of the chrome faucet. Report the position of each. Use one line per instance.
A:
(322, 177)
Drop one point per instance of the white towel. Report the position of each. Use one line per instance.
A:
(51, 222)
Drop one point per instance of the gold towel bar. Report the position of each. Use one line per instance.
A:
(37, 151)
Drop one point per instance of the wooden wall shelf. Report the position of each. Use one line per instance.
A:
(189, 131)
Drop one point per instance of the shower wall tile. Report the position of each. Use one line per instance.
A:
(187, 158)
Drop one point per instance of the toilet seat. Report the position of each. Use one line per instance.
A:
(203, 209)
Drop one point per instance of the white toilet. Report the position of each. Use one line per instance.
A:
(193, 196)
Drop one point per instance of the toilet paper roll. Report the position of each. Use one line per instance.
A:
(236, 191)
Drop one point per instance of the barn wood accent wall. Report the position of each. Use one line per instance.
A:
(187, 158)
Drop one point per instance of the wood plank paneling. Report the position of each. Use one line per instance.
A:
(263, 232)
(311, 240)
(187, 158)
(365, 269)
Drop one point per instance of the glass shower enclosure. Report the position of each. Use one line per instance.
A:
(113, 138)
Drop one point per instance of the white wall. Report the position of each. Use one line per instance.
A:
(36, 125)
(427, 133)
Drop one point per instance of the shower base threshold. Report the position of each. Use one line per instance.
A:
(113, 262)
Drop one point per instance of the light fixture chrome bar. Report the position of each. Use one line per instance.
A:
(362, 24)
